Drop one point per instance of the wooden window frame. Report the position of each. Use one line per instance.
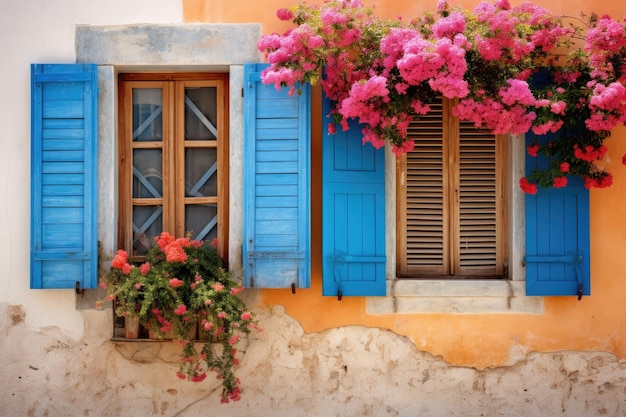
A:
(451, 268)
(173, 88)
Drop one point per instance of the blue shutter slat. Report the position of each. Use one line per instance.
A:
(353, 215)
(276, 241)
(557, 237)
(64, 245)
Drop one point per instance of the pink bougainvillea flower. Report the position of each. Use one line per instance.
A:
(246, 315)
(175, 282)
(221, 315)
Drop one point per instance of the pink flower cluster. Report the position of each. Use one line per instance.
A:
(383, 73)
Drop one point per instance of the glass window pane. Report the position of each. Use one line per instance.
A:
(147, 223)
(200, 172)
(147, 114)
(201, 221)
(147, 173)
(200, 113)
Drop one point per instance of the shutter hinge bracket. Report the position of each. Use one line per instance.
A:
(293, 287)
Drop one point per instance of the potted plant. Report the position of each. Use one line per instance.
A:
(183, 283)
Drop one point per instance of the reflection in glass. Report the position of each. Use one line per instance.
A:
(147, 114)
(200, 172)
(147, 223)
(200, 113)
(147, 173)
(201, 221)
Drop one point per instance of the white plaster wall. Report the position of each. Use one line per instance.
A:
(284, 372)
(41, 31)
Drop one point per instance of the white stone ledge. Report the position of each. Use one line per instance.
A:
(455, 297)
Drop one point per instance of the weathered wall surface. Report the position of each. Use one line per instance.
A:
(347, 371)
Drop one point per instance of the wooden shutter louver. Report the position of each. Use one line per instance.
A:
(478, 202)
(424, 204)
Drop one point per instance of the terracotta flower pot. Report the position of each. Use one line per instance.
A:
(131, 327)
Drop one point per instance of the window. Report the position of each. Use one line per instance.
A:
(173, 158)
(451, 202)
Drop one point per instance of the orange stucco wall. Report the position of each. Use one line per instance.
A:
(597, 322)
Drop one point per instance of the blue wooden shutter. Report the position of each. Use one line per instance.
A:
(64, 244)
(557, 236)
(353, 214)
(276, 228)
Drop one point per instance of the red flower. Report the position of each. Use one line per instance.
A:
(527, 187)
(180, 310)
(533, 149)
(559, 182)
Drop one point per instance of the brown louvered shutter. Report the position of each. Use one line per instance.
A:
(451, 199)
(478, 211)
(423, 233)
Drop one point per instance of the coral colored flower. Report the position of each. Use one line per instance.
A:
(120, 259)
(215, 242)
(144, 268)
(217, 286)
(233, 340)
(559, 182)
(104, 284)
(164, 239)
(174, 252)
(199, 378)
(126, 268)
(208, 302)
(180, 310)
(138, 285)
(236, 290)
(175, 282)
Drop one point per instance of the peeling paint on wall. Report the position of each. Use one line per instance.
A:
(350, 370)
